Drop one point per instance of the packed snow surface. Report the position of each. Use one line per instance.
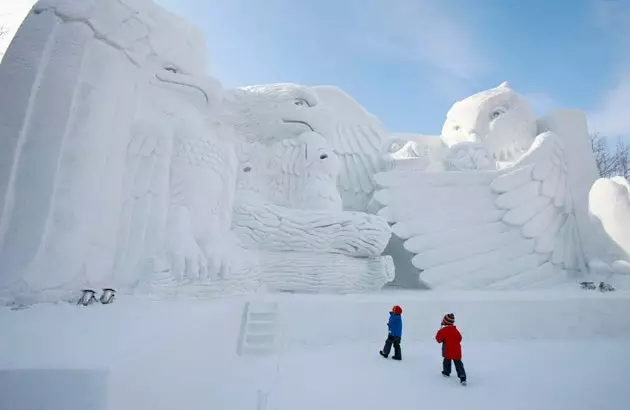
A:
(522, 350)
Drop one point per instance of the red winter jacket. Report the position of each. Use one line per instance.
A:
(451, 339)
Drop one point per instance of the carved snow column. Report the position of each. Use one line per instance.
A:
(71, 83)
(46, 189)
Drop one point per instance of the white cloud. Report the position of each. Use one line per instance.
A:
(612, 115)
(613, 16)
(424, 32)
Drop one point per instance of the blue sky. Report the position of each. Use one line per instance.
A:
(407, 61)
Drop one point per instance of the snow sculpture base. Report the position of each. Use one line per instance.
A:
(298, 272)
(163, 286)
(324, 273)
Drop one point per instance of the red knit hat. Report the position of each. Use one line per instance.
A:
(397, 310)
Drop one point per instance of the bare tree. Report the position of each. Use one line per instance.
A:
(622, 159)
(604, 159)
(611, 162)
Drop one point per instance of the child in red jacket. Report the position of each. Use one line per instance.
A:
(451, 340)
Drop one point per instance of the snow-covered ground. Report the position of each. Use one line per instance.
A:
(522, 350)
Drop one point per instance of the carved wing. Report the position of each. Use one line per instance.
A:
(488, 229)
(358, 139)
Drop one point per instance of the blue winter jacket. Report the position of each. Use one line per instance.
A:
(395, 325)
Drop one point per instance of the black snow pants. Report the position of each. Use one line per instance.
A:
(393, 340)
(459, 368)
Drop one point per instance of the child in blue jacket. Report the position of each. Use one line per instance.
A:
(395, 334)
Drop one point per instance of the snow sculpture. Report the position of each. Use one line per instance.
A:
(609, 205)
(499, 119)
(288, 206)
(468, 156)
(320, 173)
(115, 162)
(259, 113)
(359, 140)
(521, 225)
(421, 152)
(202, 182)
(109, 141)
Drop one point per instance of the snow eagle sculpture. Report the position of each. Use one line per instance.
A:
(357, 137)
(117, 170)
(360, 141)
(110, 139)
(288, 205)
(518, 226)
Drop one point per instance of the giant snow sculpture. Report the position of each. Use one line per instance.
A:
(115, 163)
(523, 222)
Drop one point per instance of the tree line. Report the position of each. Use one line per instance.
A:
(611, 161)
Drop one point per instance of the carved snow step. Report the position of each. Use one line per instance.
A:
(262, 317)
(257, 351)
(260, 339)
(258, 330)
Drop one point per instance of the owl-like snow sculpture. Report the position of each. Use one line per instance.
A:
(499, 119)
(523, 225)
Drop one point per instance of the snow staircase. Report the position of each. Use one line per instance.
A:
(258, 329)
